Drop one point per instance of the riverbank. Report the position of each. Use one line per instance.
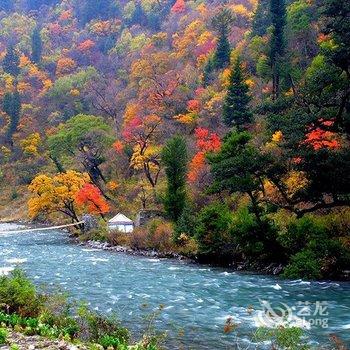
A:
(256, 267)
(136, 252)
(20, 341)
(247, 267)
(35, 319)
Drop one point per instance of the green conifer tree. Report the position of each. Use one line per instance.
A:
(336, 16)
(235, 110)
(12, 106)
(222, 24)
(261, 19)
(174, 157)
(37, 45)
(277, 43)
(6, 5)
(11, 61)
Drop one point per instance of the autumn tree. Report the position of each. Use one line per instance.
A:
(206, 142)
(174, 157)
(277, 42)
(222, 24)
(11, 61)
(103, 93)
(141, 133)
(179, 6)
(85, 137)
(90, 198)
(236, 110)
(56, 194)
(37, 45)
(315, 140)
(159, 80)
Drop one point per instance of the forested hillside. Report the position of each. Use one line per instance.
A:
(231, 117)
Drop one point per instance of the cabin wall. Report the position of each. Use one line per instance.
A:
(121, 228)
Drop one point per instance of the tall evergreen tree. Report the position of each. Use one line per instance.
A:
(174, 157)
(37, 45)
(337, 24)
(11, 61)
(36, 4)
(139, 16)
(88, 10)
(261, 19)
(277, 43)
(12, 106)
(222, 24)
(223, 50)
(208, 71)
(6, 5)
(235, 109)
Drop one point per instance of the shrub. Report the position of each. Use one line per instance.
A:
(93, 327)
(255, 239)
(162, 237)
(139, 238)
(186, 223)
(108, 341)
(187, 246)
(116, 237)
(315, 249)
(299, 232)
(333, 256)
(304, 264)
(18, 294)
(291, 338)
(158, 234)
(3, 336)
(212, 231)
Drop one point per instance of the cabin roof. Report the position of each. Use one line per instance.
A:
(121, 219)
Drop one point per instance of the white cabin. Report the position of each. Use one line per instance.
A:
(121, 223)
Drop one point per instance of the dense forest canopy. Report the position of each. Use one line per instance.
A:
(94, 96)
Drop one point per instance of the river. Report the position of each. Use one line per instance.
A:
(197, 300)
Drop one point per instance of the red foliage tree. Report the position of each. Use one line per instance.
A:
(179, 6)
(90, 197)
(205, 142)
(118, 146)
(322, 136)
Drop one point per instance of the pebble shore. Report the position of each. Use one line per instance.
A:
(136, 252)
(35, 342)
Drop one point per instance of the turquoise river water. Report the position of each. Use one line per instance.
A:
(197, 299)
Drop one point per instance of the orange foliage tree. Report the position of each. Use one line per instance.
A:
(205, 142)
(319, 137)
(90, 197)
(86, 45)
(65, 65)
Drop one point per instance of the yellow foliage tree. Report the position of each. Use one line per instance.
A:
(56, 194)
(30, 144)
